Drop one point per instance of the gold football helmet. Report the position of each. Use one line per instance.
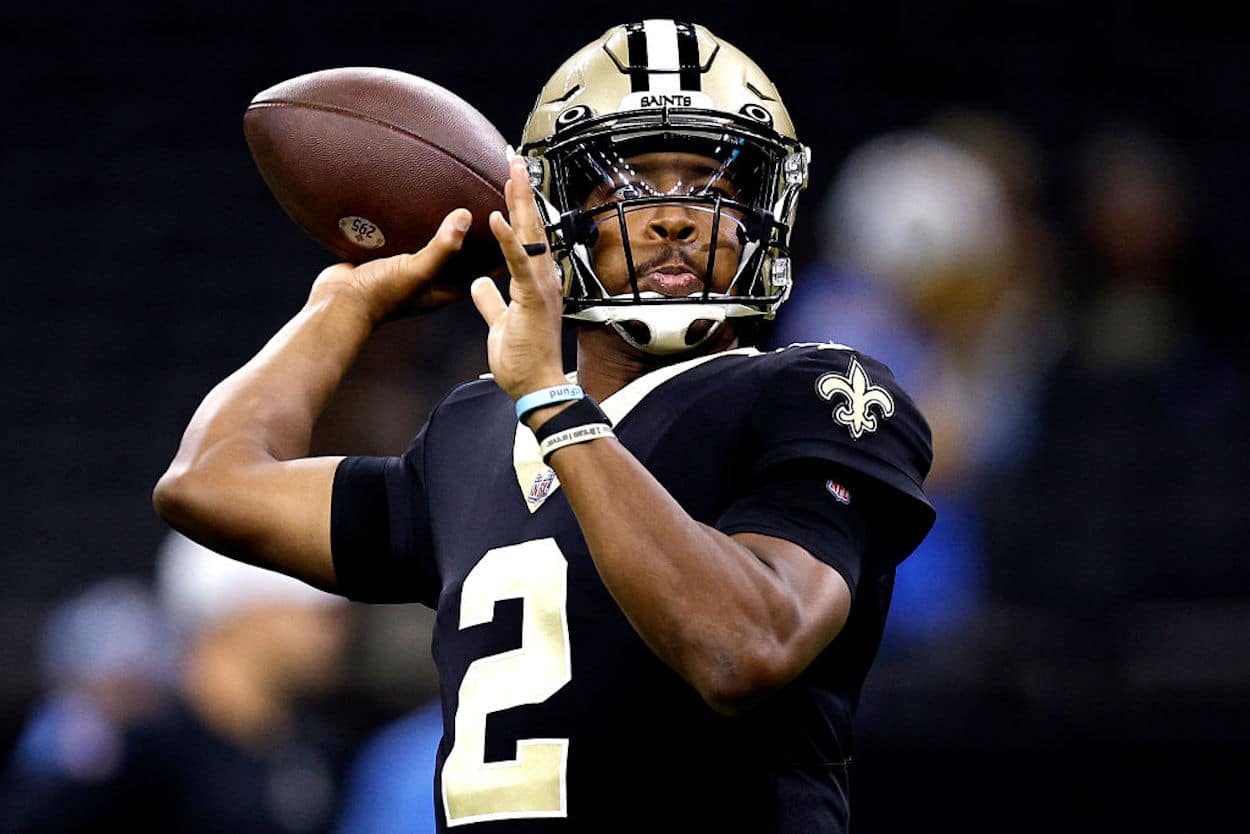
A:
(665, 87)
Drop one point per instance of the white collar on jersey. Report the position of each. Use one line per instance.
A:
(538, 481)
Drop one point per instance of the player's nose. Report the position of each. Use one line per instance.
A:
(673, 223)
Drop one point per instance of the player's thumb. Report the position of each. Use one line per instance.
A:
(488, 300)
(446, 242)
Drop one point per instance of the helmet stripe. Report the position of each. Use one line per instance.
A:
(636, 41)
(688, 57)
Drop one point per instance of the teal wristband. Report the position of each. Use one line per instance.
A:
(547, 396)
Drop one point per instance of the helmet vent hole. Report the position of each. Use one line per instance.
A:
(637, 331)
(698, 330)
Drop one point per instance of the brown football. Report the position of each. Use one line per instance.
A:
(368, 161)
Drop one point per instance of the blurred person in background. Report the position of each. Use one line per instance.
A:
(233, 752)
(106, 660)
(238, 754)
(1141, 457)
(391, 777)
(1127, 523)
(392, 770)
(938, 262)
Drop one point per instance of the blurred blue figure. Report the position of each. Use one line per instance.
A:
(232, 748)
(107, 661)
(929, 268)
(393, 777)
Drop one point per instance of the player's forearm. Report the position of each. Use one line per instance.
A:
(705, 604)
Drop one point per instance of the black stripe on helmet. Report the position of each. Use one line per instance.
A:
(636, 40)
(688, 57)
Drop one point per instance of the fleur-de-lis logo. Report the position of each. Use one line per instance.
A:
(860, 395)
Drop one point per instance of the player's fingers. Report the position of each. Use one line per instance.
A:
(513, 251)
(526, 258)
(426, 262)
(533, 274)
(488, 300)
(522, 212)
(450, 235)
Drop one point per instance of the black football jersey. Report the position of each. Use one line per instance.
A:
(557, 717)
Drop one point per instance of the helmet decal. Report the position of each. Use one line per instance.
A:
(682, 98)
(663, 56)
(576, 113)
(755, 111)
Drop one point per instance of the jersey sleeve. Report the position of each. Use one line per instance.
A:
(380, 534)
(812, 504)
(836, 405)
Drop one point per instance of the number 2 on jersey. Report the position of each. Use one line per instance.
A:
(532, 784)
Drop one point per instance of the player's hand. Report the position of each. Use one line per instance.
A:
(402, 285)
(523, 346)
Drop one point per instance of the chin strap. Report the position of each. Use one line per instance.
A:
(660, 329)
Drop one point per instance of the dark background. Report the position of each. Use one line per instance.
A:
(144, 260)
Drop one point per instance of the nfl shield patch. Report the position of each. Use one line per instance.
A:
(540, 488)
(838, 491)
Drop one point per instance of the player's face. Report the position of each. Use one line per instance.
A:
(671, 243)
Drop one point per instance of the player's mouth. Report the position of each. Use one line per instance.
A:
(674, 280)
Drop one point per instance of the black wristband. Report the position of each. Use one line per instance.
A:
(580, 413)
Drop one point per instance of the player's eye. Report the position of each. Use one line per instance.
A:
(628, 191)
(716, 188)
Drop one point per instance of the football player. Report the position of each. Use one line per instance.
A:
(660, 581)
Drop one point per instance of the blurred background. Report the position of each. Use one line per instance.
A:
(1032, 211)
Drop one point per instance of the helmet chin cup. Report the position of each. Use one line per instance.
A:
(660, 329)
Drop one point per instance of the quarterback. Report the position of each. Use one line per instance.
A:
(660, 580)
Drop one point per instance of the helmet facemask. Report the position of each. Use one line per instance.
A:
(690, 208)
